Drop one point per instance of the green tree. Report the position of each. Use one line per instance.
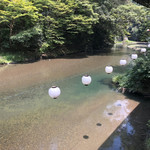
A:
(128, 17)
(65, 22)
(59, 27)
(17, 15)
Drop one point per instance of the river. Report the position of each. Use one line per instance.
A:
(82, 118)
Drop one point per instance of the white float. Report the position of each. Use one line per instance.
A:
(134, 56)
(123, 62)
(143, 50)
(86, 80)
(54, 92)
(108, 69)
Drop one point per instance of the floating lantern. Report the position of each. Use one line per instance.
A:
(108, 69)
(134, 56)
(123, 62)
(86, 80)
(148, 45)
(54, 92)
(143, 50)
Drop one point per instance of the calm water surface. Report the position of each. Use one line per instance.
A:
(31, 120)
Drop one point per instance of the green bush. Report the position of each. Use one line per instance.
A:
(136, 79)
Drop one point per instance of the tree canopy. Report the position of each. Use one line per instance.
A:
(67, 26)
(131, 20)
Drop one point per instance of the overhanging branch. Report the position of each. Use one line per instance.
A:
(143, 2)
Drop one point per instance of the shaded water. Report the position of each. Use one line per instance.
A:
(31, 120)
(132, 133)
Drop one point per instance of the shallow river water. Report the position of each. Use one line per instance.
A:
(82, 118)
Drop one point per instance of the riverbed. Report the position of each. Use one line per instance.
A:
(82, 118)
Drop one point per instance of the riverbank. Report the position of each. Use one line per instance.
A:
(7, 58)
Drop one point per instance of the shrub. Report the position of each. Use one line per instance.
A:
(136, 79)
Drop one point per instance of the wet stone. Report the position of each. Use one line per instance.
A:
(110, 114)
(99, 124)
(85, 136)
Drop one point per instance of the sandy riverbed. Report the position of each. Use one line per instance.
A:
(39, 130)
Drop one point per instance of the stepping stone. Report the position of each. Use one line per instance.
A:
(85, 136)
(110, 114)
(99, 124)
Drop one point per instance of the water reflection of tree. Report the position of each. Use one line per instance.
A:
(131, 134)
(108, 82)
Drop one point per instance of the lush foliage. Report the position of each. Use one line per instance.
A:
(56, 27)
(131, 20)
(67, 26)
(137, 79)
(134, 20)
(15, 16)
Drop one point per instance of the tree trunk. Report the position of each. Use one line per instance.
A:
(11, 26)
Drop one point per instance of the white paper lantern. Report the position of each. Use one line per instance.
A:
(123, 62)
(54, 92)
(148, 45)
(134, 56)
(143, 50)
(108, 69)
(86, 80)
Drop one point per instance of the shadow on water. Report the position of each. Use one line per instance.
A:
(132, 132)
(79, 55)
(82, 54)
(116, 50)
(106, 81)
(121, 69)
